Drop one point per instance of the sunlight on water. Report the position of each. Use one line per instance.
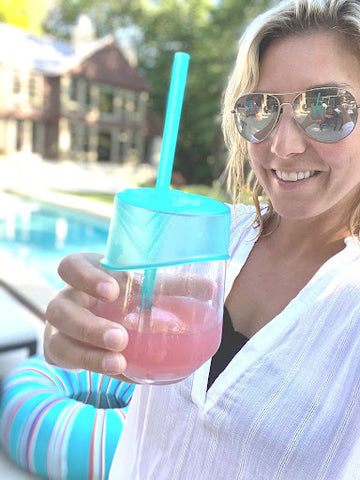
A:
(41, 234)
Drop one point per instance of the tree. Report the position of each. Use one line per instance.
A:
(28, 14)
(207, 30)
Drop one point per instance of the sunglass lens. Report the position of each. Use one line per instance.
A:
(326, 114)
(256, 115)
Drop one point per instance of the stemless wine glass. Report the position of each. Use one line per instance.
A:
(168, 250)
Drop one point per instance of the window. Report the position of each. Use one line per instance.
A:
(104, 147)
(74, 135)
(88, 94)
(16, 83)
(74, 87)
(34, 89)
(19, 134)
(121, 146)
(86, 139)
(106, 101)
(32, 86)
(35, 137)
(130, 102)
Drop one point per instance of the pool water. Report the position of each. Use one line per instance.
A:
(41, 234)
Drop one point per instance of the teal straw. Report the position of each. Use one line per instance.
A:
(171, 128)
(147, 289)
(172, 118)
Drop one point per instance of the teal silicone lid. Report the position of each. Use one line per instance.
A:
(154, 227)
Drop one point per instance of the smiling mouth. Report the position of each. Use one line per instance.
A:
(294, 176)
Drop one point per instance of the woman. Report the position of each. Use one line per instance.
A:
(287, 405)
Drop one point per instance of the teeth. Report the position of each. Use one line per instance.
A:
(294, 176)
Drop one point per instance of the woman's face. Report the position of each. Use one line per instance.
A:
(331, 171)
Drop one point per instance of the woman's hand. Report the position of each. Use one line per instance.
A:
(74, 336)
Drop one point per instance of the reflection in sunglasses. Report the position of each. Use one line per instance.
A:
(326, 114)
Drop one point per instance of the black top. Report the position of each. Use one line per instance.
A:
(231, 343)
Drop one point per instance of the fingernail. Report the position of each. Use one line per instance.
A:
(111, 364)
(105, 289)
(114, 339)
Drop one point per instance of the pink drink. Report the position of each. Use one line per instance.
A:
(165, 358)
(168, 342)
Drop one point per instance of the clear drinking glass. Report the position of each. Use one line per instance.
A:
(168, 251)
(180, 330)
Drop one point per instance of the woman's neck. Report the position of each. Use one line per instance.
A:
(322, 235)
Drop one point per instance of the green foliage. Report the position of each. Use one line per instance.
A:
(207, 191)
(214, 191)
(207, 30)
(27, 14)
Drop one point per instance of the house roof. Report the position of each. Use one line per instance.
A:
(53, 57)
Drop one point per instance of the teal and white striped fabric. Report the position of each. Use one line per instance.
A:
(62, 424)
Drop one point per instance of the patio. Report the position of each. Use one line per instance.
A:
(21, 332)
(24, 293)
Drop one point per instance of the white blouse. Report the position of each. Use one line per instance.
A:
(287, 407)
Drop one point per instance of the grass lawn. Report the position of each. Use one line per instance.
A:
(213, 192)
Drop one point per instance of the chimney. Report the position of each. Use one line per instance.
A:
(83, 33)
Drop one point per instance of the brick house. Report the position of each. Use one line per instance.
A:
(72, 100)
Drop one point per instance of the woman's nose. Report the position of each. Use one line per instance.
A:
(287, 138)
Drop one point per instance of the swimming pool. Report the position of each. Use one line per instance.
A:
(41, 234)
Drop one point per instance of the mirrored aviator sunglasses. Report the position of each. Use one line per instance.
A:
(325, 114)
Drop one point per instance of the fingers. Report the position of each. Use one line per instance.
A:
(85, 341)
(78, 336)
(65, 352)
(75, 337)
(84, 272)
(193, 285)
(67, 314)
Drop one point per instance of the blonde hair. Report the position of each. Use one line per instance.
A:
(289, 17)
